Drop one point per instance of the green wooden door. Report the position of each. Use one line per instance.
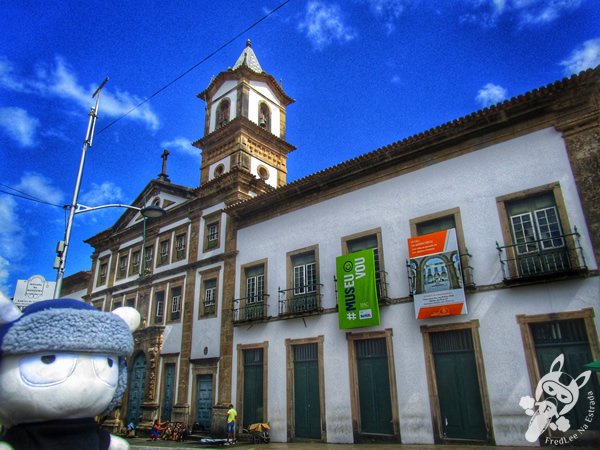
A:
(136, 390)
(204, 401)
(459, 395)
(253, 386)
(307, 404)
(374, 387)
(169, 392)
(567, 337)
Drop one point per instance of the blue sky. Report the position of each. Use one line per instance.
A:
(364, 74)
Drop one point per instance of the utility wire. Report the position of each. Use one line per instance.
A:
(281, 5)
(26, 196)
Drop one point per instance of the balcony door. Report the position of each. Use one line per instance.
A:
(538, 235)
(305, 283)
(255, 291)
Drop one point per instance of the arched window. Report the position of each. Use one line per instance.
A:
(263, 172)
(223, 113)
(219, 170)
(264, 116)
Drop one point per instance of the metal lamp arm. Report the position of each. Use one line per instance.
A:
(83, 208)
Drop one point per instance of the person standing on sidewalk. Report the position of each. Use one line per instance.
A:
(231, 415)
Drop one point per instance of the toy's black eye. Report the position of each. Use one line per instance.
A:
(110, 362)
(48, 359)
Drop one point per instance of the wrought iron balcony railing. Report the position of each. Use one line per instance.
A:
(209, 309)
(550, 256)
(300, 300)
(250, 308)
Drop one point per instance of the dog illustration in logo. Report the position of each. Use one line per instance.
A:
(561, 392)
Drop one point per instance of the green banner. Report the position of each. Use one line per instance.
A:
(357, 290)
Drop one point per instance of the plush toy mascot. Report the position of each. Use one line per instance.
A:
(62, 362)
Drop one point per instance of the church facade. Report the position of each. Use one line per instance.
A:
(239, 290)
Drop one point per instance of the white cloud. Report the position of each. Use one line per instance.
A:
(55, 133)
(12, 248)
(4, 274)
(19, 125)
(59, 80)
(543, 11)
(181, 145)
(526, 12)
(40, 187)
(324, 25)
(490, 94)
(102, 194)
(7, 78)
(11, 232)
(388, 11)
(585, 56)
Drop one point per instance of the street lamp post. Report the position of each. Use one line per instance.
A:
(63, 246)
(75, 208)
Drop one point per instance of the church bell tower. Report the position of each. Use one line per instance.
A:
(244, 125)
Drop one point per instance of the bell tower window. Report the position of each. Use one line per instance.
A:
(219, 170)
(223, 113)
(264, 116)
(263, 172)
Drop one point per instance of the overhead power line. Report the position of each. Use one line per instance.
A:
(210, 55)
(25, 195)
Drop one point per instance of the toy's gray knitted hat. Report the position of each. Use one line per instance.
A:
(66, 325)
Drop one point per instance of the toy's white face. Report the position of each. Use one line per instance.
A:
(49, 386)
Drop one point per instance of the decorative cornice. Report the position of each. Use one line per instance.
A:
(244, 73)
(548, 104)
(243, 124)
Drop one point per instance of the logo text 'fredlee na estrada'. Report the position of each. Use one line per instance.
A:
(560, 392)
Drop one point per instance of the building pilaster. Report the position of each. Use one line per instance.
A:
(583, 148)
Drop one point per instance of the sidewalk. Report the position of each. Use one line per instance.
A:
(146, 444)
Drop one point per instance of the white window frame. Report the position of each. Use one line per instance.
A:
(212, 232)
(176, 303)
(160, 305)
(307, 273)
(123, 267)
(180, 245)
(164, 251)
(255, 289)
(136, 257)
(546, 237)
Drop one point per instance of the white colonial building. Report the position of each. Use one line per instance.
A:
(237, 283)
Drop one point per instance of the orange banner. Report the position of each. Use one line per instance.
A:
(453, 309)
(428, 244)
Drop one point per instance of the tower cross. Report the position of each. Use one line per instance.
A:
(163, 174)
